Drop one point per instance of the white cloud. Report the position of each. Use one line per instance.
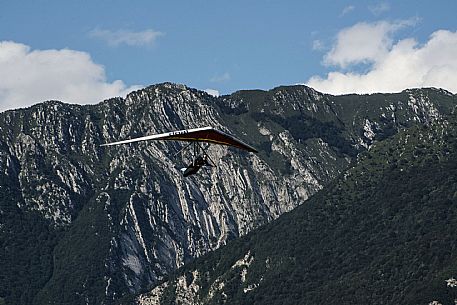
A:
(318, 45)
(30, 76)
(212, 92)
(221, 78)
(363, 43)
(401, 65)
(379, 8)
(116, 38)
(347, 10)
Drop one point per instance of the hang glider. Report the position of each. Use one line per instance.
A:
(194, 136)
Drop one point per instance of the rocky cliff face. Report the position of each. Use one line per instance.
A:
(120, 218)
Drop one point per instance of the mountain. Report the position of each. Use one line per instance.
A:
(82, 223)
(383, 232)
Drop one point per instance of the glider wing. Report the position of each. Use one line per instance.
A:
(204, 134)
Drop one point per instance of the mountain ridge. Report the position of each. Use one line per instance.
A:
(182, 86)
(149, 219)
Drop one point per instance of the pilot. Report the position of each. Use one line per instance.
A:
(195, 166)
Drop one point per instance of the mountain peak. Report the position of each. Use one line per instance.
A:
(167, 86)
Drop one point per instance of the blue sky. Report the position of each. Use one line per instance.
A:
(85, 51)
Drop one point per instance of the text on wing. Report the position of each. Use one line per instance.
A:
(179, 132)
